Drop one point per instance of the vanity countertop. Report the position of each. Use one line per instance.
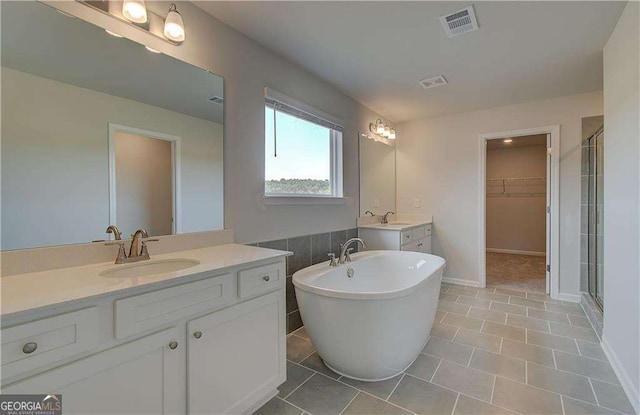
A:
(396, 226)
(26, 292)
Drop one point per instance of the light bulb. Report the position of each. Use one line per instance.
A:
(387, 131)
(508, 140)
(135, 11)
(380, 127)
(173, 25)
(392, 134)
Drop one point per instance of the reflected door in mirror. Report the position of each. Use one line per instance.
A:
(144, 191)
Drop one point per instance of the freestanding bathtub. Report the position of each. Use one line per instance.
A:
(370, 318)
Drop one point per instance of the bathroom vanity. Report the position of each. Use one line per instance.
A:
(398, 236)
(121, 339)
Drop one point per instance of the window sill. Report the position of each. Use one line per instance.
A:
(305, 200)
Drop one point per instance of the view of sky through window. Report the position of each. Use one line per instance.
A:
(303, 161)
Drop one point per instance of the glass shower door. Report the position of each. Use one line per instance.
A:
(596, 217)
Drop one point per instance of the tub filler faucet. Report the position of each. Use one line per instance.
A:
(345, 251)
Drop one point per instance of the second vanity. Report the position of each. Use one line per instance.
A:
(207, 338)
(397, 236)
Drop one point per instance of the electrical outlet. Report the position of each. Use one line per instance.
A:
(376, 203)
(416, 202)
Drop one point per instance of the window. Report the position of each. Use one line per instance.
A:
(303, 150)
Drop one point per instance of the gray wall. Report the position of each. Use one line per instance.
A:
(622, 199)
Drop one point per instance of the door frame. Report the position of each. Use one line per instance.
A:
(176, 226)
(553, 188)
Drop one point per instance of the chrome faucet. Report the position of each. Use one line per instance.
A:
(135, 254)
(370, 213)
(345, 250)
(385, 217)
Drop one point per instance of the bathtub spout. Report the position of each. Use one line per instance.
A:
(344, 251)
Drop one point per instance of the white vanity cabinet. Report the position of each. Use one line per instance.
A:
(415, 238)
(138, 377)
(213, 345)
(236, 356)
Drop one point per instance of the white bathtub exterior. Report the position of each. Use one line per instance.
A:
(372, 326)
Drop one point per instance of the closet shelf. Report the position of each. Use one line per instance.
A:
(517, 187)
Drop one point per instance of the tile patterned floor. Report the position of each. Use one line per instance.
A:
(516, 272)
(491, 351)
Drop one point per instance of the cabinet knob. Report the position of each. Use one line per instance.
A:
(266, 278)
(29, 347)
(173, 345)
(197, 334)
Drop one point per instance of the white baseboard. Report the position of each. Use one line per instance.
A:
(515, 252)
(458, 281)
(568, 297)
(625, 380)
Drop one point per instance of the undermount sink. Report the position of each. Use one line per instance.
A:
(398, 223)
(148, 268)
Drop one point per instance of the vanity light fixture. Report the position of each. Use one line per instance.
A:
(135, 11)
(169, 27)
(173, 25)
(382, 129)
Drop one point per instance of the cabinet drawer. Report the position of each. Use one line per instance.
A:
(259, 280)
(421, 245)
(418, 233)
(147, 311)
(405, 237)
(28, 346)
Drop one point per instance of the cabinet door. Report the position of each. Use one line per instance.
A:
(139, 377)
(236, 356)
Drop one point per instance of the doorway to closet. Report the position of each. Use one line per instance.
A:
(516, 201)
(519, 200)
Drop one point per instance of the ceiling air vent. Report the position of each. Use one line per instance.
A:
(433, 82)
(216, 99)
(460, 22)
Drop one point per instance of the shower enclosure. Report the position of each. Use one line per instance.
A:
(595, 222)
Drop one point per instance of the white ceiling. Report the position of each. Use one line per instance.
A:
(38, 40)
(377, 51)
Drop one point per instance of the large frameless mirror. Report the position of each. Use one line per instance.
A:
(98, 130)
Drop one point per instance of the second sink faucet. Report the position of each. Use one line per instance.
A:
(386, 215)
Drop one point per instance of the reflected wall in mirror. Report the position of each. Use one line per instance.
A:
(377, 176)
(97, 130)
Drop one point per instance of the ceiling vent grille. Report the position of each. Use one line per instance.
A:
(216, 99)
(433, 82)
(460, 22)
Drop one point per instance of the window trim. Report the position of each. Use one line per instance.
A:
(336, 130)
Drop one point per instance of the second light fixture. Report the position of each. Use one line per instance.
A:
(383, 129)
